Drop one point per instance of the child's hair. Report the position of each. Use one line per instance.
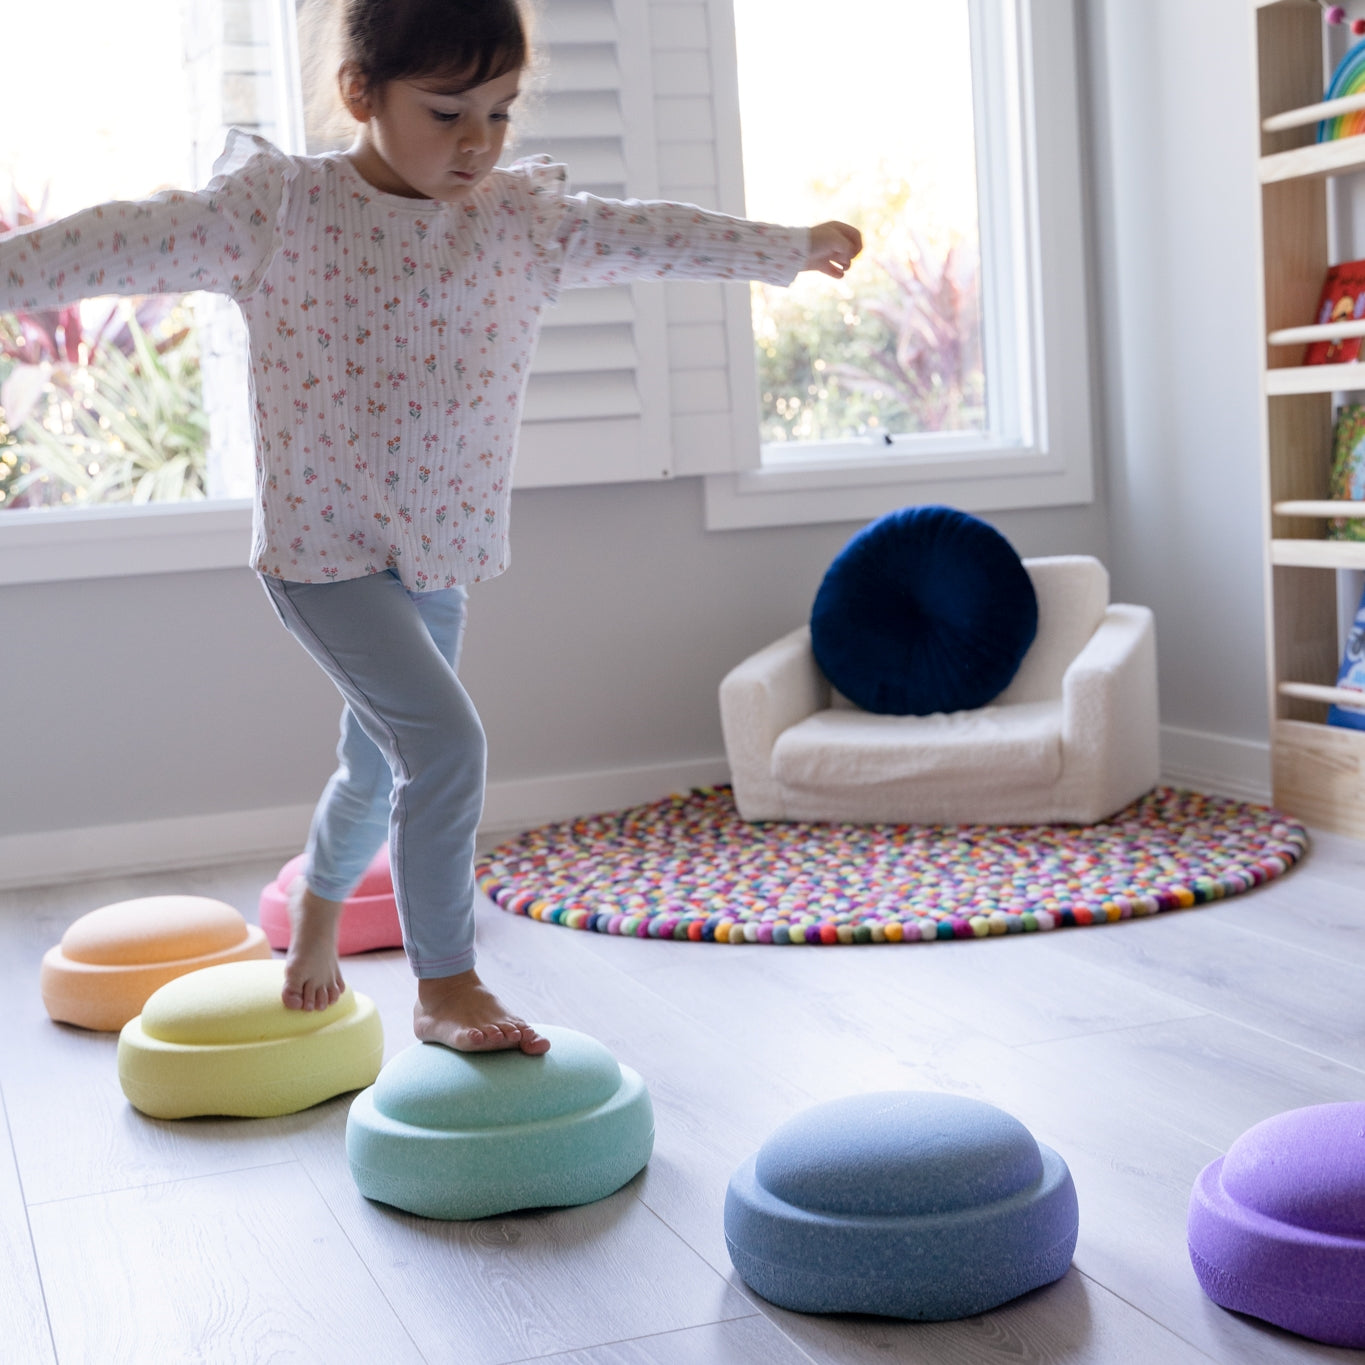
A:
(472, 40)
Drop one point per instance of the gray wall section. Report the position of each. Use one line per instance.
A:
(602, 647)
(1173, 198)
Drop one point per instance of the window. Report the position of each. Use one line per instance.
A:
(951, 363)
(102, 401)
(894, 349)
(125, 443)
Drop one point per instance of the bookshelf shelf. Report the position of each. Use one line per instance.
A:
(1324, 507)
(1318, 554)
(1317, 770)
(1314, 162)
(1339, 696)
(1315, 378)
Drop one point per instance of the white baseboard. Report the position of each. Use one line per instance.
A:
(1219, 764)
(510, 807)
(73, 855)
(1189, 758)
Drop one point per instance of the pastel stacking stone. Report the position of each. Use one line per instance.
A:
(369, 915)
(222, 1042)
(1277, 1226)
(112, 959)
(905, 1204)
(466, 1135)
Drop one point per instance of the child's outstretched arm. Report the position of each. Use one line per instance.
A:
(219, 239)
(584, 241)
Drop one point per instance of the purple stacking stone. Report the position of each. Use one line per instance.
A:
(1277, 1226)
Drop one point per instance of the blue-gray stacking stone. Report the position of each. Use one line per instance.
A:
(906, 1204)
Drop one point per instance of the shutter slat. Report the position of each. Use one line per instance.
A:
(573, 113)
(592, 66)
(563, 397)
(596, 162)
(586, 307)
(575, 21)
(584, 350)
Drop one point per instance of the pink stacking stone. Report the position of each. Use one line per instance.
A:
(369, 917)
(1277, 1226)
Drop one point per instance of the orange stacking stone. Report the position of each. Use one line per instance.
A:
(111, 960)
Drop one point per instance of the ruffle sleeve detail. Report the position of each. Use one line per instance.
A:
(220, 239)
(544, 184)
(250, 194)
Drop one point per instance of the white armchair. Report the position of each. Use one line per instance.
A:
(1072, 739)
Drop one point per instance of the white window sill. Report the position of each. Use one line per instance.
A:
(794, 493)
(51, 546)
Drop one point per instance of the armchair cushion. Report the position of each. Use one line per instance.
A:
(1002, 745)
(927, 609)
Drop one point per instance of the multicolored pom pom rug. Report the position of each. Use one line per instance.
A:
(689, 868)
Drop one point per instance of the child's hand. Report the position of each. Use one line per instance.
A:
(832, 248)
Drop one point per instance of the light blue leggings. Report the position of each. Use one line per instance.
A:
(411, 755)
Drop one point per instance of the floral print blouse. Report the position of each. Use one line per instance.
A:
(390, 338)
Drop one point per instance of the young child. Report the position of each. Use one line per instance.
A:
(393, 295)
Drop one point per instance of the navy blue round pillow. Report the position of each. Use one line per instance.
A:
(927, 609)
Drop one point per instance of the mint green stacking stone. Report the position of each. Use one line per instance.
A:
(470, 1134)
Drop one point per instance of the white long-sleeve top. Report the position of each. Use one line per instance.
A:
(390, 338)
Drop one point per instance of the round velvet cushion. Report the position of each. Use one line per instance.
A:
(470, 1134)
(906, 1204)
(1277, 1226)
(927, 609)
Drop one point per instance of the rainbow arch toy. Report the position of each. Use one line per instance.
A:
(1347, 79)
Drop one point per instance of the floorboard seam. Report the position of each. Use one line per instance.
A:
(1142, 1312)
(757, 1307)
(359, 1255)
(161, 1184)
(28, 1224)
(645, 1336)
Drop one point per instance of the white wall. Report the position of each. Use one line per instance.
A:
(166, 698)
(1172, 157)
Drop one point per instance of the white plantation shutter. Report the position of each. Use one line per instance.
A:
(602, 404)
(597, 404)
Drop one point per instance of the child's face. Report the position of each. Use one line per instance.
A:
(421, 141)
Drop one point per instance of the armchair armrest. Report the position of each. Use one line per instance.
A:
(1109, 706)
(759, 698)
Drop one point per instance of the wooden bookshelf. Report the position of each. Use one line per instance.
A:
(1318, 770)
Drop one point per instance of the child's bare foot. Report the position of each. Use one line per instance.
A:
(312, 972)
(461, 1012)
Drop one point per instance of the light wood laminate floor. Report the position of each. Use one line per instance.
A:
(1139, 1051)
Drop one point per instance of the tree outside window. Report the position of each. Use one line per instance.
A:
(886, 142)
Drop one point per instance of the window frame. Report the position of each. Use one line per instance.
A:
(1051, 463)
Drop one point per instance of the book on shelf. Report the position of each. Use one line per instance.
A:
(1347, 481)
(1343, 300)
(1352, 674)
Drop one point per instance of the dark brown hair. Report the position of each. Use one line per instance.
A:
(471, 40)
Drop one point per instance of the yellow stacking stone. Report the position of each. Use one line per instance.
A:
(112, 959)
(220, 1041)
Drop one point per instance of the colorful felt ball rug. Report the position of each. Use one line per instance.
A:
(689, 868)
